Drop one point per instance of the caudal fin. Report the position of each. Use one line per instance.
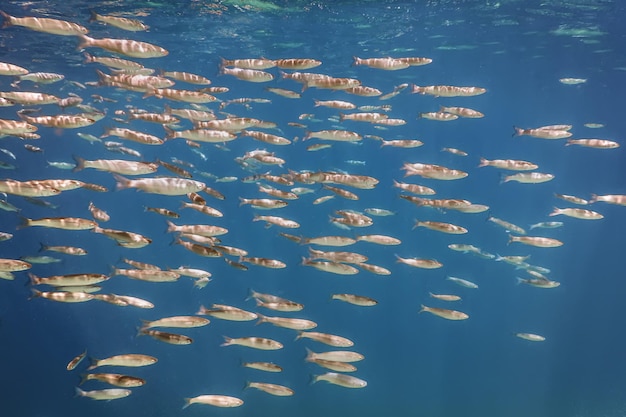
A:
(121, 182)
(8, 19)
(80, 163)
(517, 131)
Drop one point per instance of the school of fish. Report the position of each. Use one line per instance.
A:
(191, 111)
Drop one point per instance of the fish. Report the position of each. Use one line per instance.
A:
(45, 24)
(540, 242)
(462, 282)
(253, 342)
(170, 338)
(129, 360)
(358, 300)
(420, 263)
(531, 337)
(229, 313)
(273, 389)
(76, 361)
(346, 381)
(262, 366)
(104, 394)
(123, 23)
(127, 47)
(445, 313)
(577, 213)
(214, 400)
(162, 185)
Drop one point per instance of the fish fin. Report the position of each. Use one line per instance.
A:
(169, 132)
(122, 182)
(24, 222)
(187, 403)
(35, 294)
(80, 163)
(8, 19)
(227, 341)
(79, 392)
(32, 279)
(93, 364)
(83, 378)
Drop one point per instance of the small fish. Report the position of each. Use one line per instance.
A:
(546, 225)
(572, 81)
(445, 313)
(462, 282)
(74, 362)
(530, 337)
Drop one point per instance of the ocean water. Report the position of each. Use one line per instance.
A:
(415, 364)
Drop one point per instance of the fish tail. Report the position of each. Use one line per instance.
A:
(42, 247)
(33, 279)
(24, 222)
(569, 142)
(35, 294)
(309, 355)
(594, 198)
(88, 58)
(517, 131)
(423, 308)
(171, 227)
(342, 117)
(151, 91)
(93, 16)
(313, 379)
(307, 136)
(80, 163)
(187, 403)
(8, 19)
(79, 392)
(169, 132)
(299, 335)
(141, 331)
(251, 294)
(227, 341)
(483, 163)
(555, 212)
(93, 364)
(242, 201)
(122, 183)
(85, 42)
(83, 378)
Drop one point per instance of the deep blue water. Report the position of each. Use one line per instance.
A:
(415, 364)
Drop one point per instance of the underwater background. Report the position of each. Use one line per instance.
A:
(415, 364)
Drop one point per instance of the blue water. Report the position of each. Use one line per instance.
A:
(415, 364)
